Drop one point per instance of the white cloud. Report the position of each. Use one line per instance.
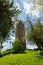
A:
(31, 46)
(35, 12)
(27, 7)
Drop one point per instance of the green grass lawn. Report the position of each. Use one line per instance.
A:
(28, 58)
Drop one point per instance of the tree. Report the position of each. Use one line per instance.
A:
(40, 2)
(17, 46)
(7, 13)
(36, 36)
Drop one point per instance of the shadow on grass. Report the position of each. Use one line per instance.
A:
(5, 54)
(13, 63)
(39, 55)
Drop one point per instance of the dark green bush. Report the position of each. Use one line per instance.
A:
(41, 52)
(17, 47)
(6, 52)
(1, 54)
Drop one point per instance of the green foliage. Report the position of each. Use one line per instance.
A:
(17, 47)
(37, 5)
(6, 52)
(41, 52)
(37, 35)
(8, 16)
(1, 54)
(40, 2)
(7, 12)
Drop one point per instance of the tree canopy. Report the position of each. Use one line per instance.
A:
(36, 36)
(39, 2)
(7, 12)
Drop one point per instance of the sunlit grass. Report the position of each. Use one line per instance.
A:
(28, 58)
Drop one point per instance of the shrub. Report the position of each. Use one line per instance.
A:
(1, 55)
(6, 52)
(17, 47)
(41, 52)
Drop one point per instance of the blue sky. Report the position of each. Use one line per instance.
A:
(26, 6)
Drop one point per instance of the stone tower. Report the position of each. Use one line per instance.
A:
(20, 33)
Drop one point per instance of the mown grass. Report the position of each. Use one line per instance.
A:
(28, 58)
